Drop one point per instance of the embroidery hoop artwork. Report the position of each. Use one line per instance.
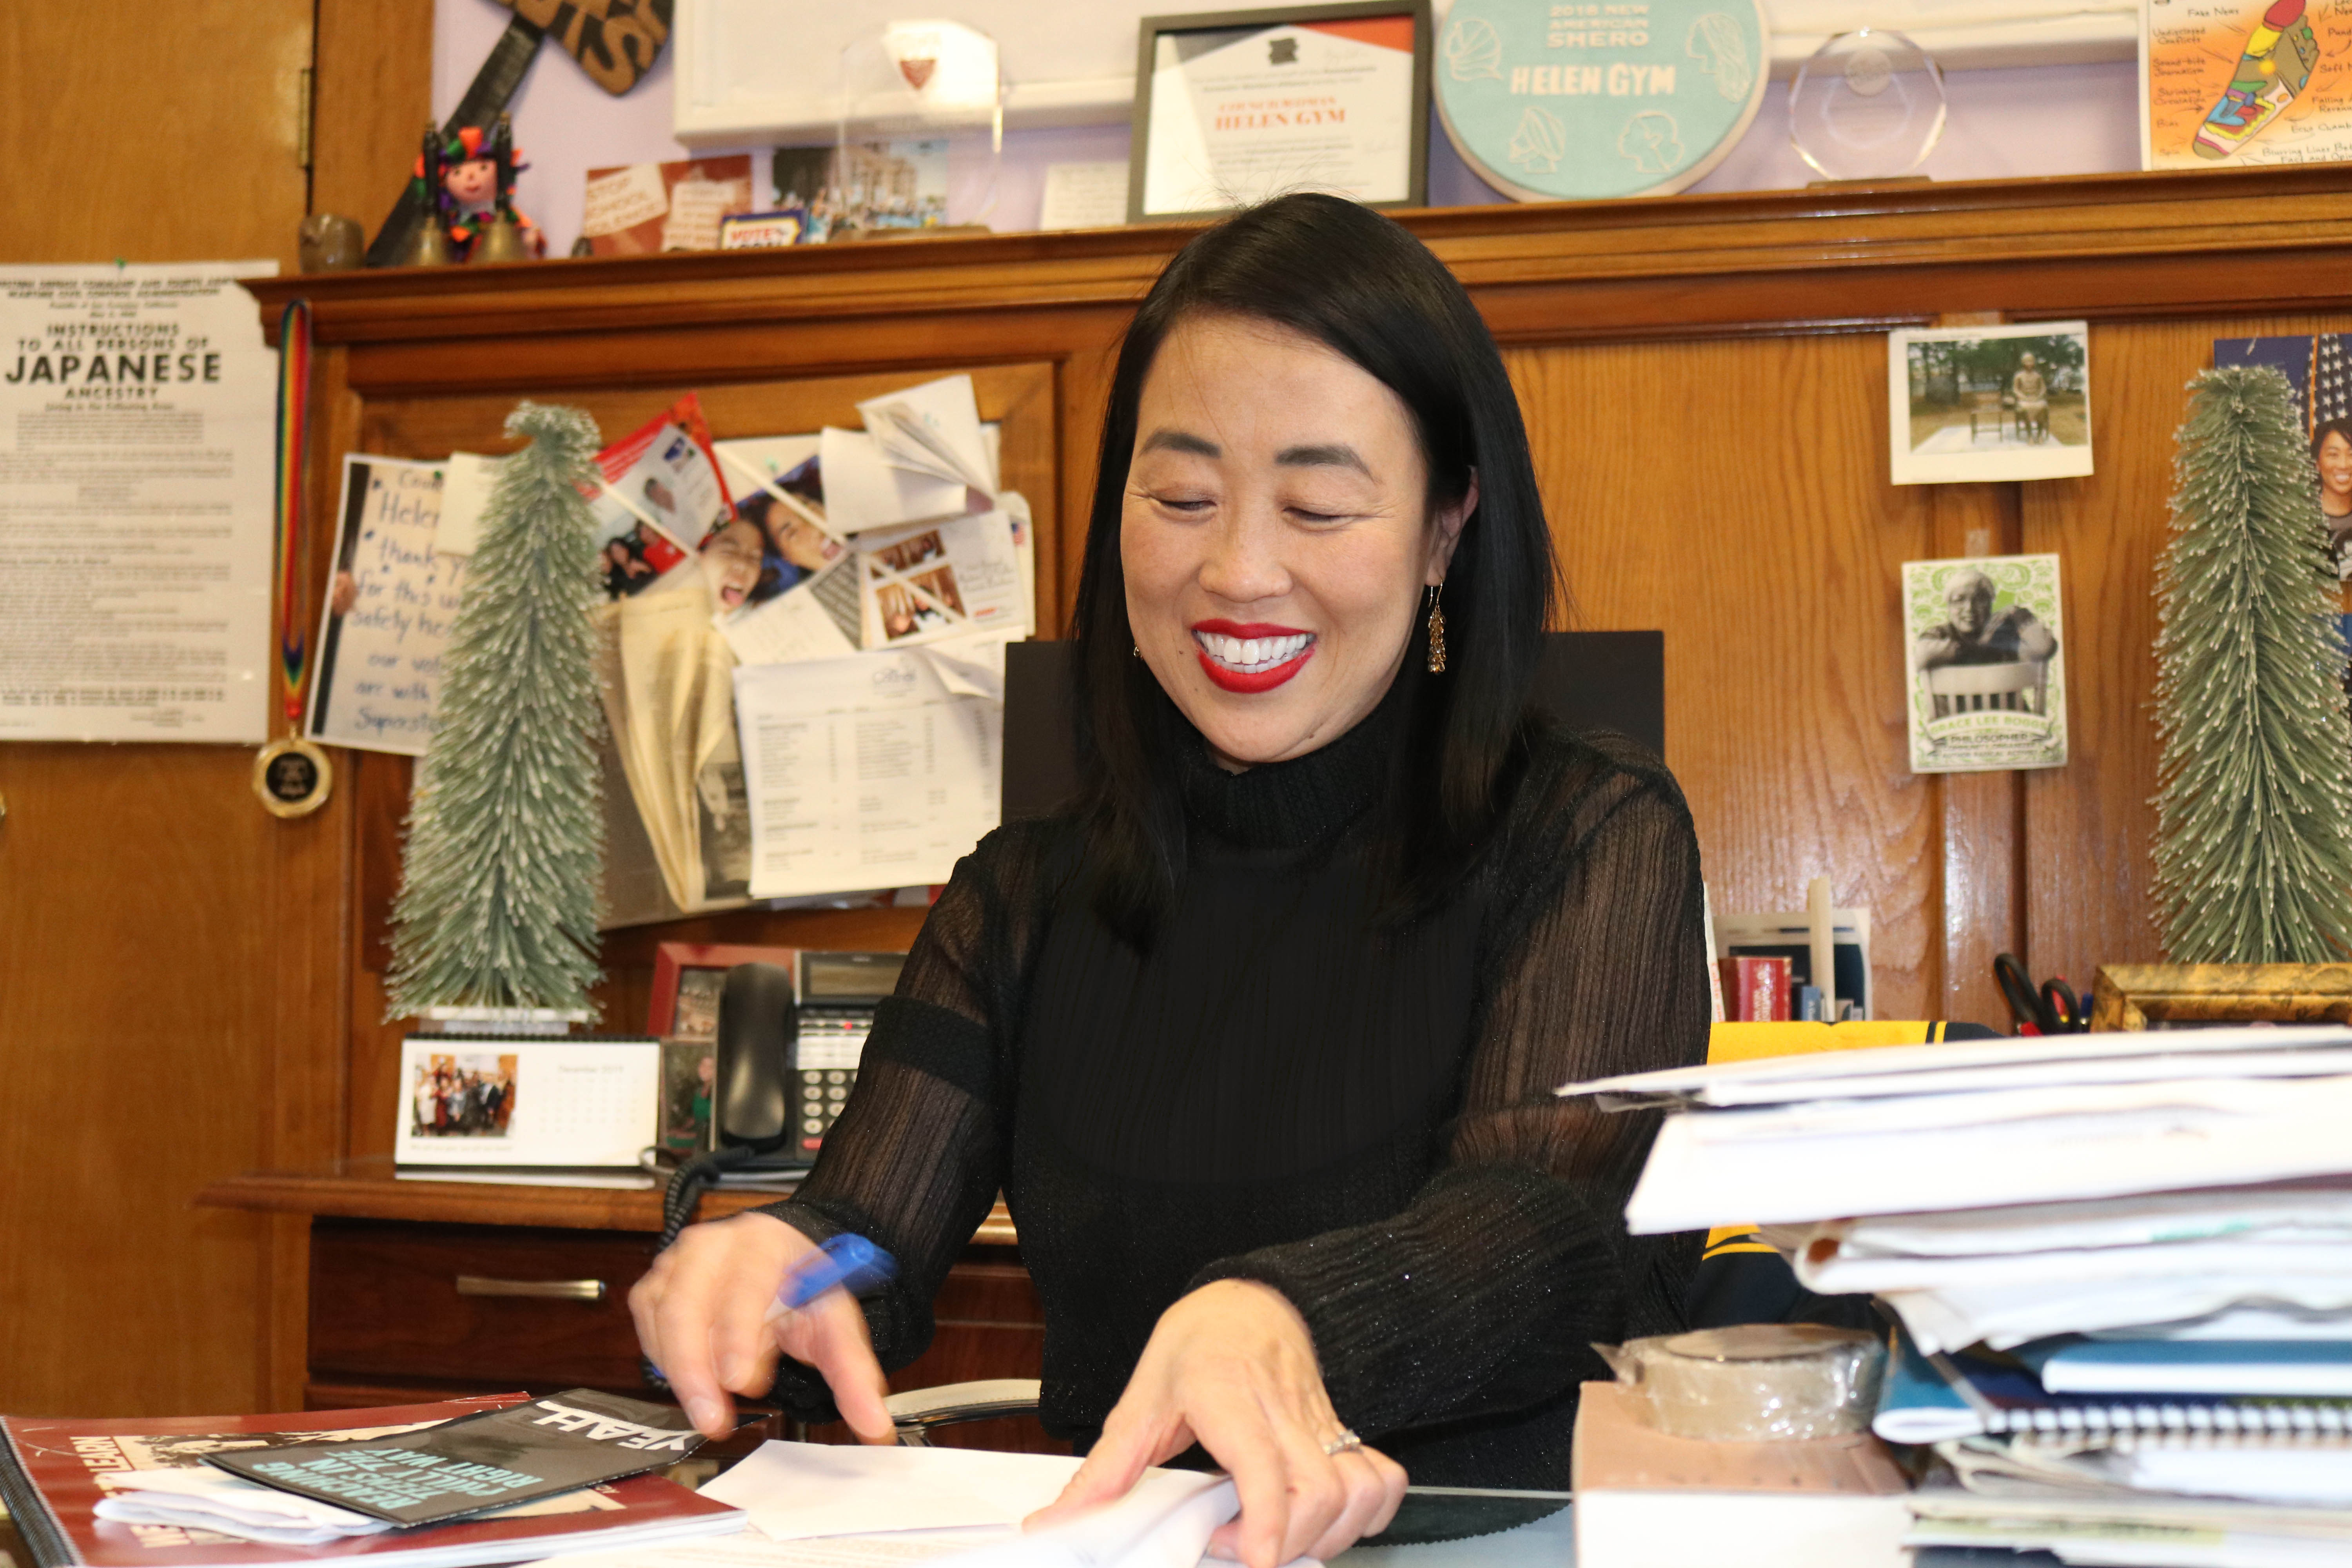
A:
(1584, 102)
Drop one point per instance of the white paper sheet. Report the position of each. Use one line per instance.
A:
(1692, 1182)
(2007, 1316)
(792, 626)
(2245, 1212)
(391, 601)
(1915, 1069)
(2249, 1262)
(797, 1491)
(863, 772)
(940, 580)
(466, 479)
(138, 439)
(933, 428)
(752, 1550)
(864, 489)
(1084, 195)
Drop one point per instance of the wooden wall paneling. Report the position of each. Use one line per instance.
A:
(156, 939)
(372, 92)
(153, 133)
(2090, 824)
(756, 336)
(313, 972)
(1734, 494)
(137, 929)
(1981, 816)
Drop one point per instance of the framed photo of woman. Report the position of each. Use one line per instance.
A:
(1233, 107)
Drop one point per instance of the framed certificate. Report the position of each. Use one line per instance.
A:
(1234, 107)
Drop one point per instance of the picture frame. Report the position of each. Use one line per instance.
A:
(1389, 160)
(686, 978)
(2156, 995)
(684, 1012)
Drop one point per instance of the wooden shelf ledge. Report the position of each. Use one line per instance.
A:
(368, 1189)
(1827, 258)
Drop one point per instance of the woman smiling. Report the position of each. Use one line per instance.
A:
(1258, 1037)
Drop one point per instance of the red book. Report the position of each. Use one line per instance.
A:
(53, 1473)
(1755, 990)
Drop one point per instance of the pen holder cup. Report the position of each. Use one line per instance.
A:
(1759, 1383)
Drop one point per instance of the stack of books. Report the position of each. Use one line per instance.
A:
(2120, 1267)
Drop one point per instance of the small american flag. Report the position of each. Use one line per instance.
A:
(2331, 381)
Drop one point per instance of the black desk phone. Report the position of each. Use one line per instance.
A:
(789, 1042)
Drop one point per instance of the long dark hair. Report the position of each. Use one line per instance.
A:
(1357, 283)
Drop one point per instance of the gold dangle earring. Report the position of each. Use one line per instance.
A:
(1436, 631)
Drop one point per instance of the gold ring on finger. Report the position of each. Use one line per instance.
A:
(1341, 1444)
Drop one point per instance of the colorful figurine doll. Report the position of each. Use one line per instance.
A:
(478, 196)
(2280, 53)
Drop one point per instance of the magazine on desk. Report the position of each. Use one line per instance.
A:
(55, 1472)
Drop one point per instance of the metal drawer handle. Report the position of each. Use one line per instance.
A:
(542, 1290)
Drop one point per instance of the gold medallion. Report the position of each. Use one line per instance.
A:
(291, 777)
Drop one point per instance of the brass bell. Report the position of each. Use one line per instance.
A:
(500, 239)
(429, 244)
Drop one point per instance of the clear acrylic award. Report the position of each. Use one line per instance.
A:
(1867, 105)
(920, 135)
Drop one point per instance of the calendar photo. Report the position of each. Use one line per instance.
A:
(463, 1095)
(552, 1104)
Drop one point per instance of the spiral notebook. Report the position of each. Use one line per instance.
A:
(1937, 1398)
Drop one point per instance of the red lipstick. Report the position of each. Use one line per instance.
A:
(1245, 682)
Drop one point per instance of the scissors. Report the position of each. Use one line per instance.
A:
(2025, 1007)
(2064, 1008)
(2051, 1008)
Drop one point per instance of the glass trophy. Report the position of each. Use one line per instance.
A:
(920, 135)
(1867, 105)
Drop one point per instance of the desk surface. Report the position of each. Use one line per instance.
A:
(368, 1189)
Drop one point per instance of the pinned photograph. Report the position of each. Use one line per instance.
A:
(2319, 377)
(1973, 404)
(1986, 661)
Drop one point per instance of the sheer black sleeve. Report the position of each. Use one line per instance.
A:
(1483, 1296)
(918, 1154)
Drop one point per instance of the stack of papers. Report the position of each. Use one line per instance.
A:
(818, 1506)
(2121, 1265)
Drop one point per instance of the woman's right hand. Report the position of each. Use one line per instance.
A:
(701, 1312)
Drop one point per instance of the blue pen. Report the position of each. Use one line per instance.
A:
(846, 1262)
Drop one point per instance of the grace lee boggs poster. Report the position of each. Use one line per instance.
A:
(138, 436)
(1986, 656)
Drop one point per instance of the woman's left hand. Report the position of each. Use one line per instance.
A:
(1232, 1367)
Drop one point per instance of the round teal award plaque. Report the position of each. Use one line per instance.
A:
(1584, 99)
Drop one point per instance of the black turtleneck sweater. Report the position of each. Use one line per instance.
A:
(1284, 1088)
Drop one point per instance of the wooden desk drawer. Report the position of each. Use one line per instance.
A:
(450, 1302)
(509, 1307)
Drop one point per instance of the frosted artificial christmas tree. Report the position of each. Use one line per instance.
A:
(2254, 840)
(497, 898)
